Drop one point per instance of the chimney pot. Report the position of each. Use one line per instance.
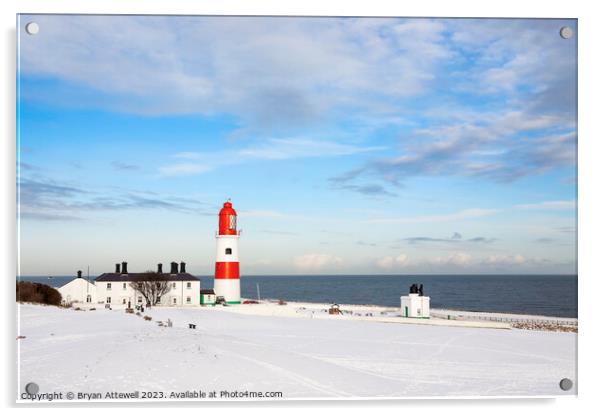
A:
(182, 267)
(79, 273)
(124, 267)
(174, 267)
(160, 268)
(117, 268)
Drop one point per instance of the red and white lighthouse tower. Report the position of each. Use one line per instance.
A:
(227, 275)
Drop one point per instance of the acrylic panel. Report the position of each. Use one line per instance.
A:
(272, 208)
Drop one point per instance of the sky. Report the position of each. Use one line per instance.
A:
(347, 145)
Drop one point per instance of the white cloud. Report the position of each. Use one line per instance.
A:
(278, 149)
(455, 259)
(266, 70)
(489, 145)
(180, 169)
(391, 262)
(550, 205)
(469, 263)
(317, 262)
(270, 149)
(188, 155)
(505, 260)
(461, 215)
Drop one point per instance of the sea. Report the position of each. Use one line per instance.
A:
(548, 295)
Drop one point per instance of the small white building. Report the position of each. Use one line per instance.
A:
(78, 290)
(415, 305)
(208, 297)
(116, 288)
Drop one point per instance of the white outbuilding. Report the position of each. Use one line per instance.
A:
(415, 304)
(78, 290)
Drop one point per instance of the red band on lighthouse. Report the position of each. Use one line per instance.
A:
(227, 273)
(226, 270)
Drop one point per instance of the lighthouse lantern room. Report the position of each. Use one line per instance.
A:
(227, 275)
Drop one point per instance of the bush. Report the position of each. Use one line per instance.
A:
(38, 293)
(148, 318)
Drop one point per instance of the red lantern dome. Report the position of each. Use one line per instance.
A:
(227, 220)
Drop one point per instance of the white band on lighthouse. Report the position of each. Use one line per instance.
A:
(228, 288)
(227, 248)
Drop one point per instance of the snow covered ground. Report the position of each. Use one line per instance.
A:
(237, 349)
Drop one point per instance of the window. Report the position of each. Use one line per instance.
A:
(188, 299)
(228, 250)
(88, 298)
(233, 222)
(175, 300)
(124, 286)
(173, 285)
(158, 299)
(188, 285)
(109, 299)
(108, 286)
(123, 301)
(139, 299)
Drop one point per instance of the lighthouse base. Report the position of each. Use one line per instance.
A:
(229, 289)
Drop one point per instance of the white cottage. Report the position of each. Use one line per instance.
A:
(116, 289)
(78, 290)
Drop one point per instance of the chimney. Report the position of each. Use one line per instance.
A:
(79, 274)
(124, 267)
(160, 268)
(174, 267)
(118, 268)
(182, 267)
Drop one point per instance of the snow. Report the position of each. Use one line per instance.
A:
(352, 312)
(241, 349)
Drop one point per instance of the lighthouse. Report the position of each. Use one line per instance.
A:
(227, 275)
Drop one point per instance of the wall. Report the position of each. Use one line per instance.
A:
(178, 291)
(77, 290)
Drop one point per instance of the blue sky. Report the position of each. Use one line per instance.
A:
(346, 145)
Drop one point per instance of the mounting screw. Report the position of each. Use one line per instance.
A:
(566, 384)
(32, 389)
(32, 28)
(566, 32)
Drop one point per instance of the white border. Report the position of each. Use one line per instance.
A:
(589, 155)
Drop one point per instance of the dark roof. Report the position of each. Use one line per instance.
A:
(207, 292)
(132, 277)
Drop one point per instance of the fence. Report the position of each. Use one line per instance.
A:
(511, 320)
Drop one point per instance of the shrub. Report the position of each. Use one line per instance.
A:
(148, 318)
(38, 293)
